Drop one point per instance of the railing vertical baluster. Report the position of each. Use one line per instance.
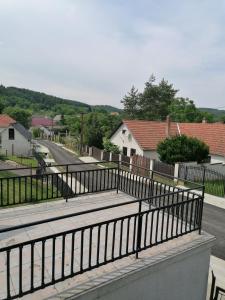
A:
(128, 234)
(32, 267)
(106, 242)
(139, 228)
(98, 244)
(67, 189)
(121, 237)
(113, 239)
(14, 192)
(90, 248)
(47, 186)
(31, 188)
(63, 256)
(8, 191)
(81, 250)
(20, 270)
(8, 274)
(43, 263)
(53, 259)
(2, 200)
(72, 254)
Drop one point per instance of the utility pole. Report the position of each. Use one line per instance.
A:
(81, 132)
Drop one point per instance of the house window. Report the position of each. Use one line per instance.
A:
(11, 134)
(125, 151)
(123, 131)
(132, 151)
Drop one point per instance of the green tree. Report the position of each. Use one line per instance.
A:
(155, 99)
(184, 110)
(36, 132)
(182, 149)
(110, 147)
(131, 103)
(22, 116)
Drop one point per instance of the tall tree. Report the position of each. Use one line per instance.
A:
(131, 103)
(155, 99)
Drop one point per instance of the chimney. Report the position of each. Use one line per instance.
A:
(168, 124)
(204, 120)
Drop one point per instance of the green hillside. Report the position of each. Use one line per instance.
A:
(213, 111)
(41, 103)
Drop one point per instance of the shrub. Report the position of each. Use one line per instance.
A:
(182, 149)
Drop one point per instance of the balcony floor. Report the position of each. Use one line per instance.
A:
(30, 213)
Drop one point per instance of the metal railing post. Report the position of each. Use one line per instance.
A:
(67, 188)
(139, 229)
(118, 178)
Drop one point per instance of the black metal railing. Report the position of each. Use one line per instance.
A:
(213, 181)
(41, 262)
(217, 292)
(67, 184)
(75, 179)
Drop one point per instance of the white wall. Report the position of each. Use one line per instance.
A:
(20, 145)
(125, 140)
(151, 154)
(181, 276)
(217, 158)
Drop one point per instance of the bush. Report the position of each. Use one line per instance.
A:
(110, 147)
(182, 149)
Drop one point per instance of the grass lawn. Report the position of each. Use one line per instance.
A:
(19, 190)
(25, 161)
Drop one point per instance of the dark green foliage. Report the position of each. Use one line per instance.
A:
(182, 149)
(23, 116)
(159, 100)
(110, 147)
(96, 127)
(155, 100)
(131, 103)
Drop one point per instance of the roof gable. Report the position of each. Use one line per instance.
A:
(6, 121)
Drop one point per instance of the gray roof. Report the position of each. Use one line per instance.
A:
(23, 131)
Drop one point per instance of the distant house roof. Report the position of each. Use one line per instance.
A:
(23, 131)
(149, 133)
(42, 121)
(6, 121)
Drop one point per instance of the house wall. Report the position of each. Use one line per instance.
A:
(125, 140)
(19, 146)
(151, 154)
(217, 158)
(180, 276)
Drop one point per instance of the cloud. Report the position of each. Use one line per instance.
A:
(96, 50)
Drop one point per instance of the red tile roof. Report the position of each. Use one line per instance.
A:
(149, 133)
(6, 120)
(42, 121)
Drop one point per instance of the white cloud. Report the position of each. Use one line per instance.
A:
(94, 50)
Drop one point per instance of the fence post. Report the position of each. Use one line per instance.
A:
(139, 230)
(130, 164)
(151, 167)
(176, 172)
(102, 155)
(110, 156)
(90, 151)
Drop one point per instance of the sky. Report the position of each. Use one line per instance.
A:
(95, 50)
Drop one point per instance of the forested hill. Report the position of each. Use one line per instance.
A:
(213, 111)
(41, 103)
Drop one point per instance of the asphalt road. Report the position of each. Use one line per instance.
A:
(213, 217)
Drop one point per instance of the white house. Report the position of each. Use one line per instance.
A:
(14, 138)
(142, 137)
